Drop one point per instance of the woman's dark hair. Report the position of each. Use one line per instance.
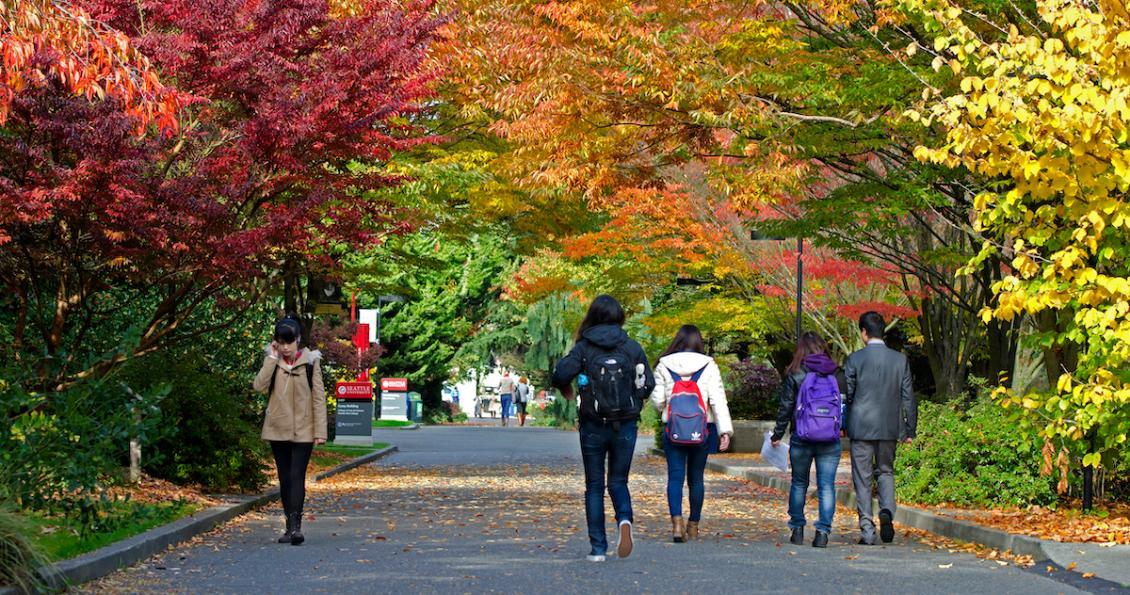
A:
(688, 338)
(288, 329)
(604, 310)
(810, 344)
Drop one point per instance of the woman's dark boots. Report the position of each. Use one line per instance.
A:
(289, 529)
(294, 521)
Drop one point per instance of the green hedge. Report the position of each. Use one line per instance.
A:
(971, 457)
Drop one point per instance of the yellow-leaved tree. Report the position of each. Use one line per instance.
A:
(1044, 115)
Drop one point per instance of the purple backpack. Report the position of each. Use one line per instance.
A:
(817, 416)
(686, 411)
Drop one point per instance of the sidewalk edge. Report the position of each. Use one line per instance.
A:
(129, 551)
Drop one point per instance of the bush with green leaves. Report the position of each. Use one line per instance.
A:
(59, 449)
(752, 390)
(971, 456)
(210, 424)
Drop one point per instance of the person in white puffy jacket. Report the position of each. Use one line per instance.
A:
(687, 462)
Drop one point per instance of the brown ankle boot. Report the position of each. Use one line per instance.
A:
(678, 529)
(692, 530)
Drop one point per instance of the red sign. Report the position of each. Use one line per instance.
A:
(362, 391)
(394, 385)
(361, 337)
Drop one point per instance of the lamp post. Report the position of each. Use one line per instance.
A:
(385, 299)
(799, 286)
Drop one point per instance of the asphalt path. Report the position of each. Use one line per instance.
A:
(492, 509)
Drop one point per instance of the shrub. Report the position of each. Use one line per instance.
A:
(560, 413)
(446, 412)
(210, 421)
(59, 449)
(19, 557)
(753, 390)
(975, 457)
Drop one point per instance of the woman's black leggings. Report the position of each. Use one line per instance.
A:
(291, 459)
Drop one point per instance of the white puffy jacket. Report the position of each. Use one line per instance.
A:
(685, 364)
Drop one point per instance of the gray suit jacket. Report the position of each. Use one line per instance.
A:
(880, 396)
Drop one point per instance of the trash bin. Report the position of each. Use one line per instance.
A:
(415, 407)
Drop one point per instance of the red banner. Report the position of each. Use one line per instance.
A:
(394, 384)
(362, 391)
(361, 337)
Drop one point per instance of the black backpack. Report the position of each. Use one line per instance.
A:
(611, 386)
(309, 377)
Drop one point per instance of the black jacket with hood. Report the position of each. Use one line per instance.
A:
(600, 339)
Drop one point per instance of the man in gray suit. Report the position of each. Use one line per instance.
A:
(880, 411)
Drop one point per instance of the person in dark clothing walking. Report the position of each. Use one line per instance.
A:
(614, 379)
(811, 357)
(881, 412)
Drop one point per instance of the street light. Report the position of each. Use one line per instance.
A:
(385, 299)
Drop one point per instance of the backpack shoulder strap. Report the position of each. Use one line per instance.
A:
(674, 376)
(698, 374)
(310, 375)
(274, 373)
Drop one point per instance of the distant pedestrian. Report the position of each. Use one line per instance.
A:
(685, 361)
(522, 396)
(296, 416)
(813, 383)
(614, 378)
(506, 396)
(881, 412)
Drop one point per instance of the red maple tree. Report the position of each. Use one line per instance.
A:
(289, 109)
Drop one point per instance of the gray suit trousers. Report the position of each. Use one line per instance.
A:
(873, 459)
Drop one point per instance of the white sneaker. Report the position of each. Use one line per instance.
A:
(624, 548)
(595, 557)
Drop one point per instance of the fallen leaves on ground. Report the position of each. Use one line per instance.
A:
(938, 542)
(1110, 524)
(150, 490)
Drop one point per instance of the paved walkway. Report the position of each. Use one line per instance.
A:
(485, 509)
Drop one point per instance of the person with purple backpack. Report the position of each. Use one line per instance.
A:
(692, 401)
(811, 402)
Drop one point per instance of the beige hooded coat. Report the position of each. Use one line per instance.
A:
(294, 412)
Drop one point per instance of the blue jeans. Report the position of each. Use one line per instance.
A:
(601, 443)
(688, 463)
(506, 406)
(827, 456)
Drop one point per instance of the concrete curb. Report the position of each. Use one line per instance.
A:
(353, 464)
(109, 559)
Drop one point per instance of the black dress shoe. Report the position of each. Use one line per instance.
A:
(797, 538)
(886, 527)
(821, 539)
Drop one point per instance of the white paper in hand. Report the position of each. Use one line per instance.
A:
(778, 457)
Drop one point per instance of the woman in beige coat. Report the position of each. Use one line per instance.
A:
(296, 416)
(685, 359)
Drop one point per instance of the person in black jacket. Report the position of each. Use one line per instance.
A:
(614, 378)
(811, 357)
(881, 412)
